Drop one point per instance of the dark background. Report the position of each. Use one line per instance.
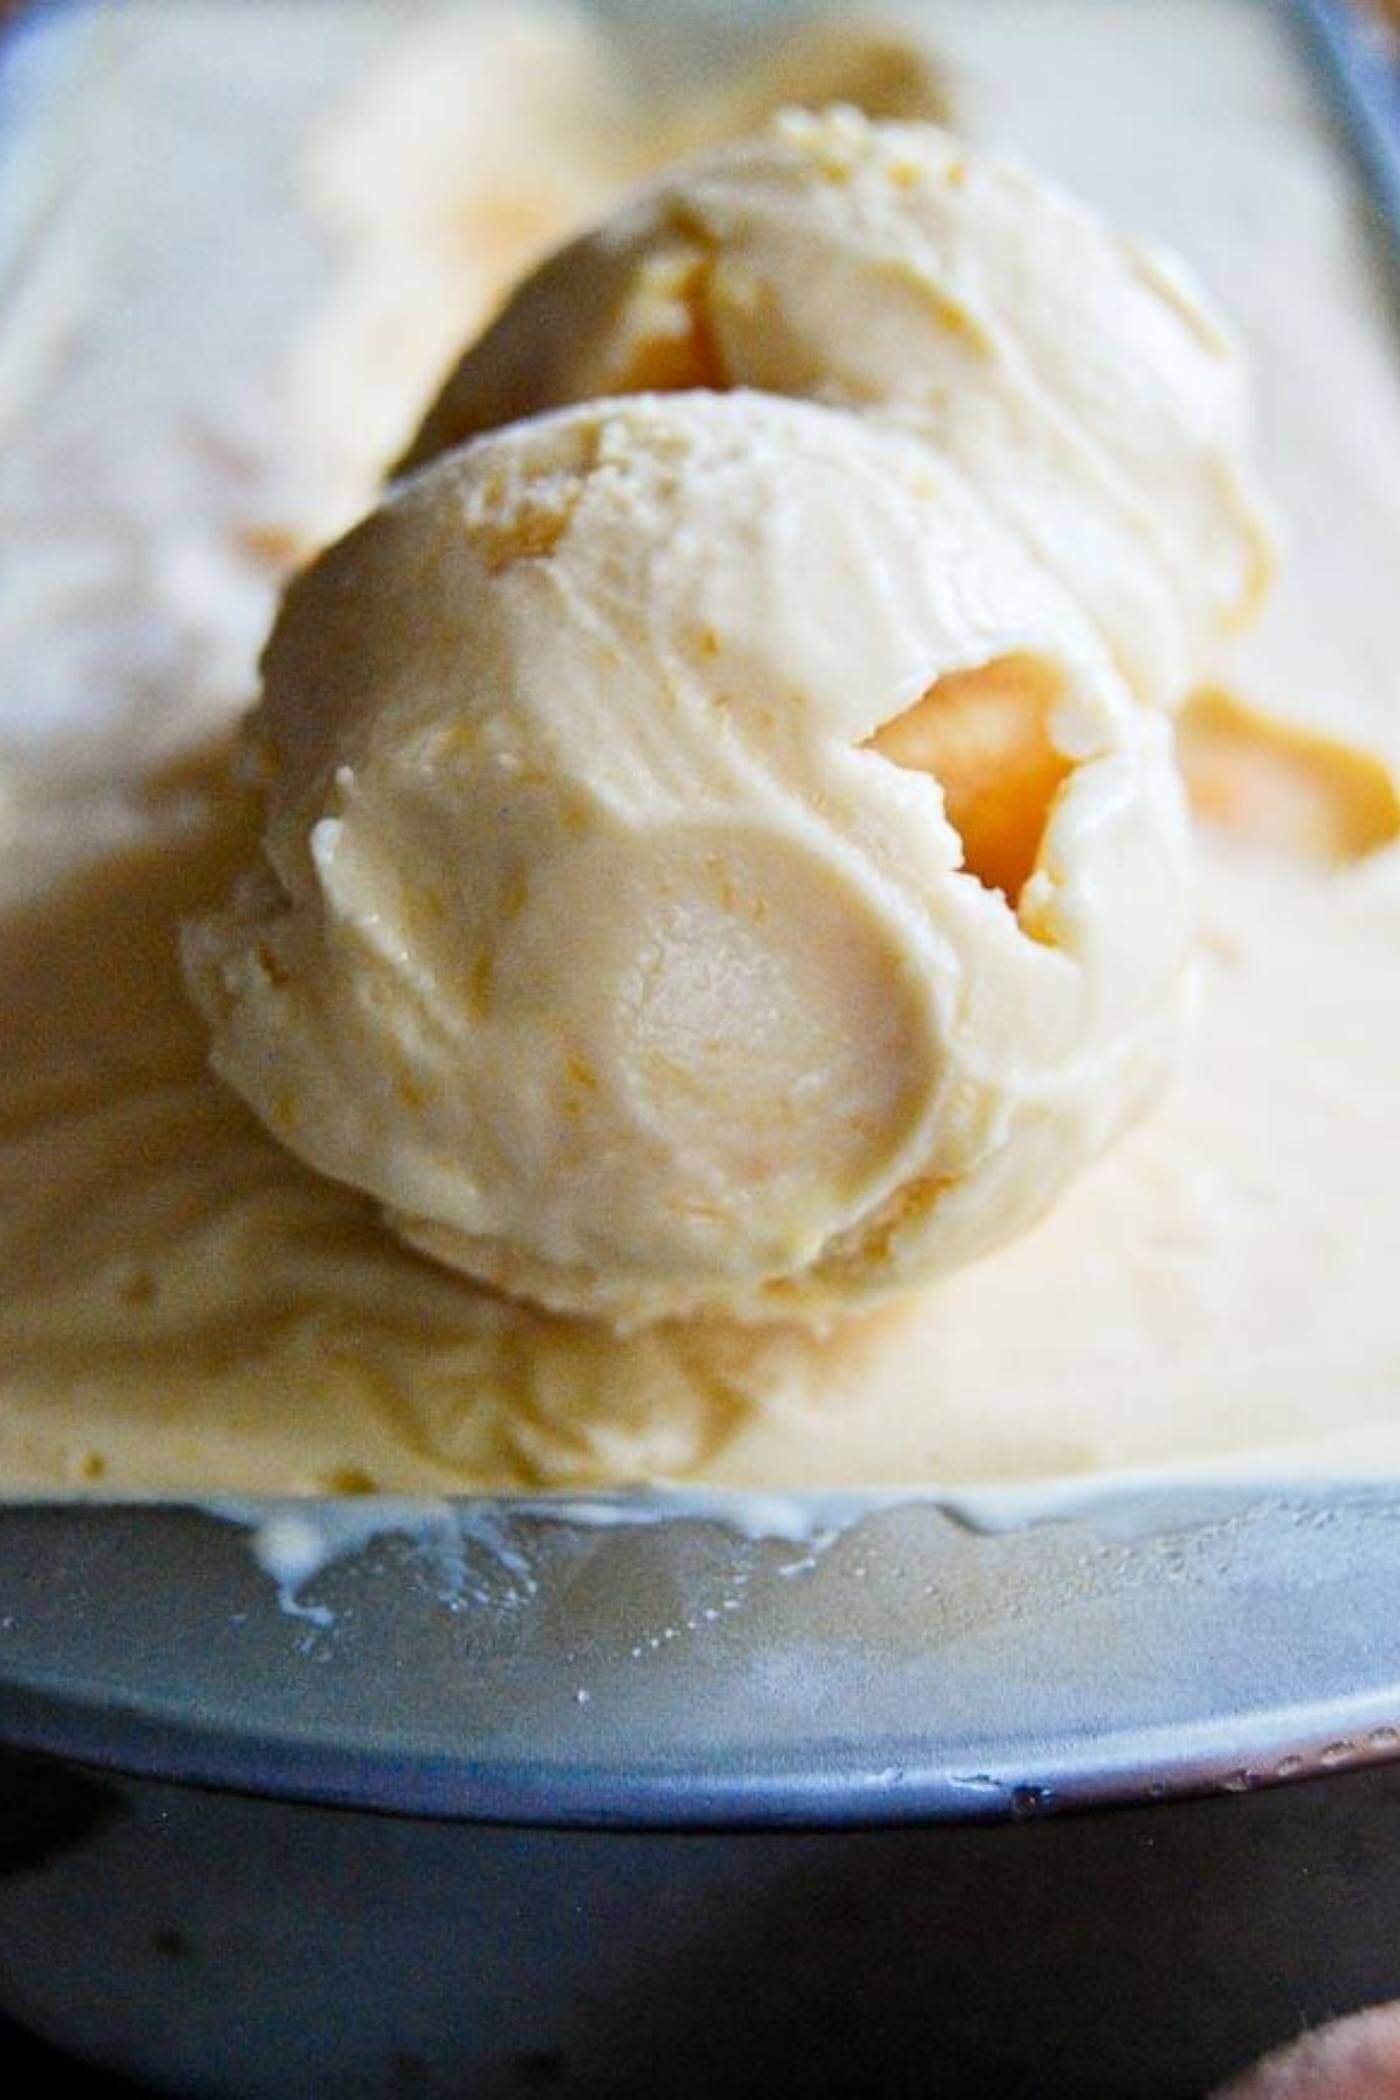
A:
(26, 2066)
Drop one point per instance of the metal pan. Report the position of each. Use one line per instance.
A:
(746, 1796)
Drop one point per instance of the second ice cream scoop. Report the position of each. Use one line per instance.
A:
(1082, 382)
(709, 866)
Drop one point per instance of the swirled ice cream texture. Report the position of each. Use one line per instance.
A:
(614, 927)
(188, 1307)
(1083, 383)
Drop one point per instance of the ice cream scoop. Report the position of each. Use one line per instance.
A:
(709, 865)
(1082, 382)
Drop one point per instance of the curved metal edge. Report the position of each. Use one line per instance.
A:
(1226, 1720)
(1274, 1747)
(906, 1772)
(1363, 84)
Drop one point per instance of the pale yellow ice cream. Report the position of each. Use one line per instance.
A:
(714, 862)
(188, 1309)
(654, 913)
(488, 133)
(1082, 382)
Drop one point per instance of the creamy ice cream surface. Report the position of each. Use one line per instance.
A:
(1083, 382)
(613, 925)
(188, 1307)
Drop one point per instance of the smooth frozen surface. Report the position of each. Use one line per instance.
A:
(186, 1308)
